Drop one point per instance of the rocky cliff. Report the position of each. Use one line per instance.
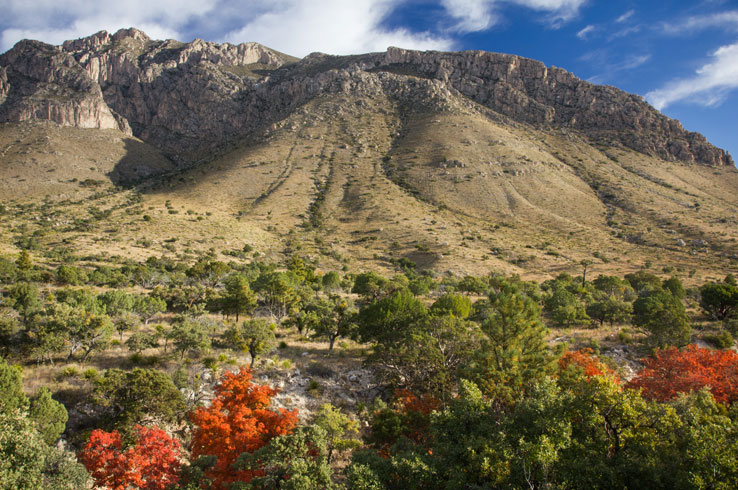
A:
(38, 81)
(190, 98)
(526, 90)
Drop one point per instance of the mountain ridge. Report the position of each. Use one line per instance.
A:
(201, 95)
(452, 161)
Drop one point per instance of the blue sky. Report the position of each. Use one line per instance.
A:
(682, 56)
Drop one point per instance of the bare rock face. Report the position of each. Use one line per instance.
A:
(526, 90)
(185, 98)
(4, 85)
(191, 98)
(38, 81)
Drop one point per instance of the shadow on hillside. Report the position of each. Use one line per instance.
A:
(141, 162)
(423, 260)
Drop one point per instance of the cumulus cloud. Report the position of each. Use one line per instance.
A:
(710, 85)
(53, 21)
(471, 15)
(332, 26)
(294, 26)
(478, 15)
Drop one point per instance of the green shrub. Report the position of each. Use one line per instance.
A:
(68, 372)
(91, 374)
(625, 337)
(210, 363)
(722, 340)
(313, 387)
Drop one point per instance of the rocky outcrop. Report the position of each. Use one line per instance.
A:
(189, 98)
(4, 85)
(38, 81)
(185, 98)
(527, 91)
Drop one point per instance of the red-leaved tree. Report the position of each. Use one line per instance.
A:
(238, 420)
(152, 463)
(585, 361)
(410, 402)
(671, 371)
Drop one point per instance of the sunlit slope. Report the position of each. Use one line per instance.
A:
(369, 179)
(41, 158)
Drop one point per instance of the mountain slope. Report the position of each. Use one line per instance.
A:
(455, 161)
(193, 97)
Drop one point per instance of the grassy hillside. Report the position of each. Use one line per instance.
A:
(363, 182)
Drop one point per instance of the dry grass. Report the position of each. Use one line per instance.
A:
(357, 183)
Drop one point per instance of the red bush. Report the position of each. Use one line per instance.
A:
(585, 360)
(671, 371)
(238, 420)
(152, 463)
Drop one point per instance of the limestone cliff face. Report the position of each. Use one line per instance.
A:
(190, 98)
(39, 81)
(185, 98)
(4, 85)
(526, 90)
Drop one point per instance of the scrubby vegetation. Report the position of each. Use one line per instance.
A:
(158, 375)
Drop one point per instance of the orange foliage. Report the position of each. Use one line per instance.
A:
(671, 371)
(585, 360)
(238, 420)
(153, 463)
(410, 402)
(416, 412)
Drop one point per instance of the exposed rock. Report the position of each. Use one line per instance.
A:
(4, 85)
(190, 98)
(526, 90)
(39, 81)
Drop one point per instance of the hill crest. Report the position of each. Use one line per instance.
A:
(453, 161)
(190, 98)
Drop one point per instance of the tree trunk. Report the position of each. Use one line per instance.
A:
(86, 355)
(72, 350)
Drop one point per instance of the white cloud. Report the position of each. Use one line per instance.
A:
(295, 26)
(625, 32)
(331, 26)
(610, 65)
(726, 20)
(634, 61)
(478, 15)
(471, 15)
(582, 34)
(53, 21)
(708, 87)
(627, 15)
(80, 29)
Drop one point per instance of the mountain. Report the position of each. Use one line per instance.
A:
(452, 160)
